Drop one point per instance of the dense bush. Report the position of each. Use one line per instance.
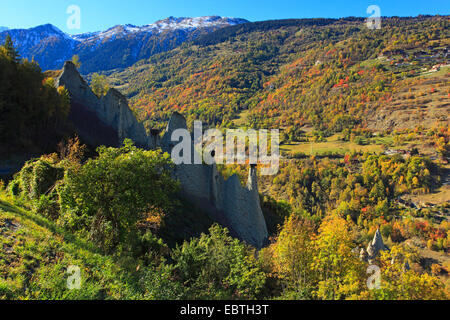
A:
(111, 193)
(37, 183)
(109, 198)
(216, 266)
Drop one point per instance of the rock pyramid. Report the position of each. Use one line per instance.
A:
(374, 247)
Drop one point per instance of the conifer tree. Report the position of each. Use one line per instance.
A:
(11, 52)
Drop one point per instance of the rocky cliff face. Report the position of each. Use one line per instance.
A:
(226, 201)
(109, 120)
(110, 114)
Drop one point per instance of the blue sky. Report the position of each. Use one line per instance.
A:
(102, 14)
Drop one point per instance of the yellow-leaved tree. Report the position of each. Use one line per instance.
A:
(341, 275)
(293, 254)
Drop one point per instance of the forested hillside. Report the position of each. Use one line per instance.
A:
(33, 111)
(331, 74)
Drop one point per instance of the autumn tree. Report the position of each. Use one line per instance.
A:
(99, 85)
(76, 61)
(293, 254)
(340, 272)
(72, 150)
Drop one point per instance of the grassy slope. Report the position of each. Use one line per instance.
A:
(35, 255)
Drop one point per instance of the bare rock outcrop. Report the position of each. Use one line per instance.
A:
(375, 246)
(227, 201)
(110, 113)
(242, 208)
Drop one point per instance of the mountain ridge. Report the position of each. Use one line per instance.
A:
(170, 23)
(117, 47)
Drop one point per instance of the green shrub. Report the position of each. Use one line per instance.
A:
(37, 178)
(109, 195)
(36, 183)
(14, 188)
(47, 206)
(216, 266)
(158, 283)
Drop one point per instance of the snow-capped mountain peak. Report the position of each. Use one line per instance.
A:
(118, 30)
(191, 23)
(170, 23)
(117, 47)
